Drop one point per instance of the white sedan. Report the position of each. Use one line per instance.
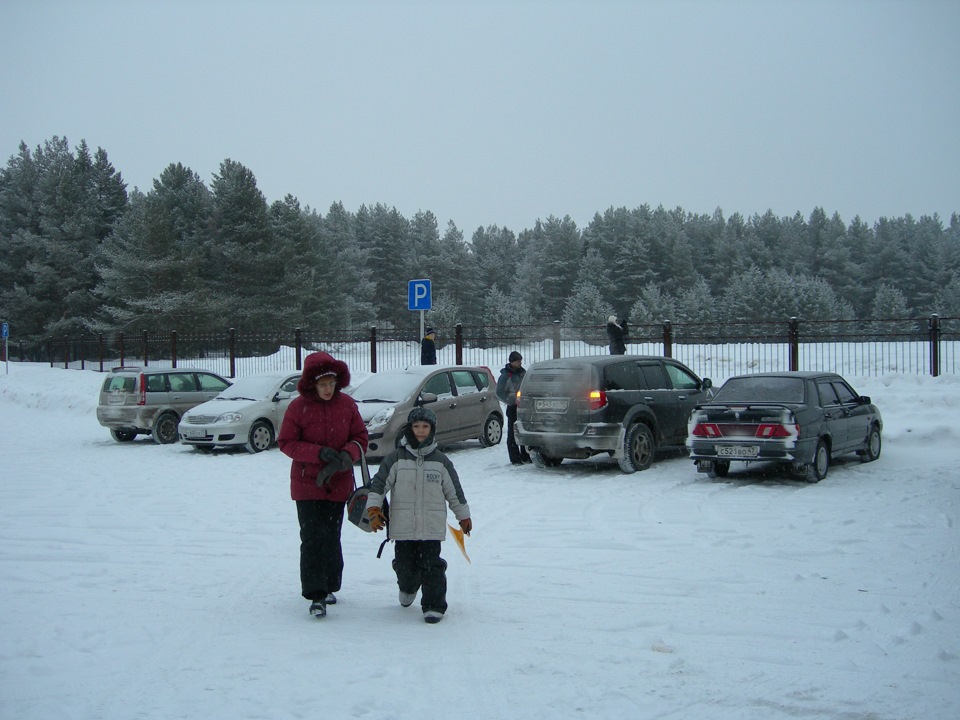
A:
(247, 413)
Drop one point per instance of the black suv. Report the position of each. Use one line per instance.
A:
(627, 406)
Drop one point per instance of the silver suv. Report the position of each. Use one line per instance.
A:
(135, 401)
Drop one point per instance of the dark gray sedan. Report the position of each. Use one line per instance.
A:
(799, 419)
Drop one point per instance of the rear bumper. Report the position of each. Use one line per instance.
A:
(594, 439)
(799, 452)
(127, 417)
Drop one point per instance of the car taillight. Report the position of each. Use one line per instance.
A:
(518, 398)
(772, 430)
(142, 400)
(597, 399)
(706, 430)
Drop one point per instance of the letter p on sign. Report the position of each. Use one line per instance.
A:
(418, 295)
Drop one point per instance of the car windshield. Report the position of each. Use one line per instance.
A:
(389, 388)
(761, 389)
(250, 388)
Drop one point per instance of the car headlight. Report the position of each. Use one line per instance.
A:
(230, 417)
(380, 419)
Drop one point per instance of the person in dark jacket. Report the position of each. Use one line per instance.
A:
(320, 432)
(617, 334)
(422, 482)
(507, 386)
(428, 348)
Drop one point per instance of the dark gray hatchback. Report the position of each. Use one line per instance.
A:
(624, 406)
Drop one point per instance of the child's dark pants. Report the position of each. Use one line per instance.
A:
(418, 565)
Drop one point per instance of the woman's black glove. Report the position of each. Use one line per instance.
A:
(335, 462)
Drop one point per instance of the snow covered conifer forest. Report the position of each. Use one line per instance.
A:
(81, 252)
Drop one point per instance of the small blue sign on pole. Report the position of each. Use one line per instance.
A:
(6, 331)
(418, 295)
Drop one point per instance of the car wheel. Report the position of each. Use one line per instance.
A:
(123, 435)
(817, 470)
(492, 431)
(165, 428)
(872, 450)
(720, 469)
(542, 460)
(260, 437)
(638, 448)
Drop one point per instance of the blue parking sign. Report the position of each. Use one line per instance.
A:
(6, 331)
(418, 295)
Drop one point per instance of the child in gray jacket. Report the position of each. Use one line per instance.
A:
(421, 481)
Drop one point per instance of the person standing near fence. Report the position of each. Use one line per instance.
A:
(320, 432)
(617, 334)
(511, 376)
(428, 348)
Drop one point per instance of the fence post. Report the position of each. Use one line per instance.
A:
(934, 327)
(123, 348)
(793, 337)
(459, 336)
(100, 350)
(556, 339)
(146, 358)
(373, 348)
(66, 354)
(298, 346)
(667, 339)
(233, 352)
(173, 347)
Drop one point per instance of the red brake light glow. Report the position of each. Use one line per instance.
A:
(142, 400)
(597, 399)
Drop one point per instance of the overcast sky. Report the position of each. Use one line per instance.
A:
(501, 113)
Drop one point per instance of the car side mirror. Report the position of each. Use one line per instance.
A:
(865, 400)
(426, 398)
(276, 397)
(706, 384)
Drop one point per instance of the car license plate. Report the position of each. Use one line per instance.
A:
(552, 405)
(195, 432)
(115, 400)
(738, 451)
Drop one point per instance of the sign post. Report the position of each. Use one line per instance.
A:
(5, 332)
(419, 297)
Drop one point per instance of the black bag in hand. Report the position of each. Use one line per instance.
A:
(357, 504)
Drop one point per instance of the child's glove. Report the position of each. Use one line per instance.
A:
(466, 525)
(335, 462)
(377, 520)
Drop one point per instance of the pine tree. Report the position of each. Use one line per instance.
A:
(247, 265)
(152, 265)
(585, 316)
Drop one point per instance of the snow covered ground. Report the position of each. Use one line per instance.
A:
(147, 581)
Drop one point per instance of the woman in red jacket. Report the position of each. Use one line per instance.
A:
(319, 432)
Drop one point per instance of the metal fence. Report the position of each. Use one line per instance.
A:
(929, 345)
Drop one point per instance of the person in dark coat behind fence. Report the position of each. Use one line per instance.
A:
(507, 386)
(617, 335)
(319, 432)
(428, 348)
